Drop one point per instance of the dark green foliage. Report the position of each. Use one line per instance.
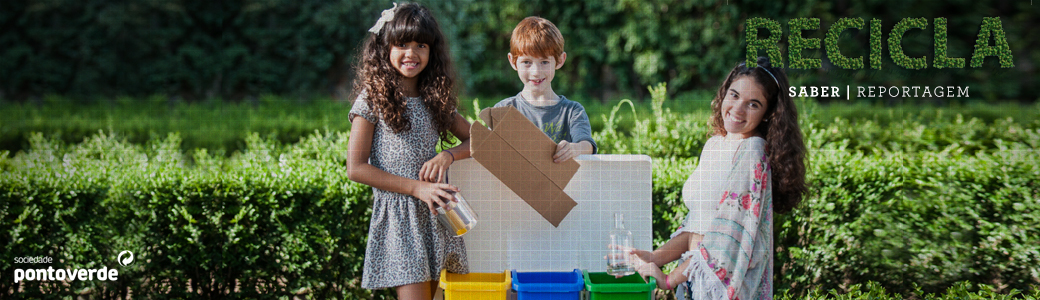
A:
(875, 44)
(992, 27)
(769, 44)
(775, 33)
(241, 49)
(797, 43)
(941, 50)
(895, 44)
(187, 49)
(833, 52)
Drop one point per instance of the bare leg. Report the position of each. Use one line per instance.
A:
(433, 288)
(415, 291)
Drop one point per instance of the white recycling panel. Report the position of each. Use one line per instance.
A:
(512, 235)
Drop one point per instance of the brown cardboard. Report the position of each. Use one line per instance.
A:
(520, 155)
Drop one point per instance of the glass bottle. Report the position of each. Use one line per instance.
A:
(618, 263)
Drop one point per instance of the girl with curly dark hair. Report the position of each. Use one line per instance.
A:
(751, 166)
(406, 106)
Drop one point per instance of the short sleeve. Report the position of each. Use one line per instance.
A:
(701, 211)
(504, 102)
(581, 128)
(700, 214)
(687, 225)
(362, 109)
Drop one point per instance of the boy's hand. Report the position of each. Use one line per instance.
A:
(566, 150)
(434, 169)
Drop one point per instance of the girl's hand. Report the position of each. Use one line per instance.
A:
(641, 256)
(642, 261)
(643, 266)
(652, 270)
(434, 169)
(636, 257)
(435, 194)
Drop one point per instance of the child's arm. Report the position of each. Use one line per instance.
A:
(674, 278)
(580, 130)
(675, 247)
(683, 244)
(434, 169)
(652, 270)
(359, 170)
(566, 150)
(649, 263)
(461, 131)
(671, 250)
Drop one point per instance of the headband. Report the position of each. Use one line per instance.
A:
(767, 72)
(384, 17)
(771, 75)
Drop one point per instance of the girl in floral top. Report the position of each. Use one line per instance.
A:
(751, 167)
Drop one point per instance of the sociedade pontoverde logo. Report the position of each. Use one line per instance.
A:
(125, 261)
(49, 274)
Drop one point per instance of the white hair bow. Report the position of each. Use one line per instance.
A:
(386, 16)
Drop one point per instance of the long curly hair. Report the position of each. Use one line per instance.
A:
(784, 144)
(380, 83)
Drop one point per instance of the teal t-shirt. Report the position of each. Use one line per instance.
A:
(564, 121)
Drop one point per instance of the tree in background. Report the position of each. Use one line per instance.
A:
(196, 49)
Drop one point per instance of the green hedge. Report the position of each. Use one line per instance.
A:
(874, 291)
(857, 128)
(907, 203)
(931, 218)
(219, 126)
(215, 126)
(274, 220)
(287, 211)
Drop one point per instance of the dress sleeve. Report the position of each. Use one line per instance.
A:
(361, 108)
(728, 264)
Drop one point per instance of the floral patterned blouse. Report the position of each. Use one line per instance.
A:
(730, 200)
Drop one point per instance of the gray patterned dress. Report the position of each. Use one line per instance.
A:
(406, 244)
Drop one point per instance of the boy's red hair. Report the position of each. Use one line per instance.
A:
(536, 37)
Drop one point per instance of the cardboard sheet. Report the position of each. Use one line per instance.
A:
(520, 155)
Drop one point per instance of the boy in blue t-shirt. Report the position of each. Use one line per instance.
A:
(536, 52)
